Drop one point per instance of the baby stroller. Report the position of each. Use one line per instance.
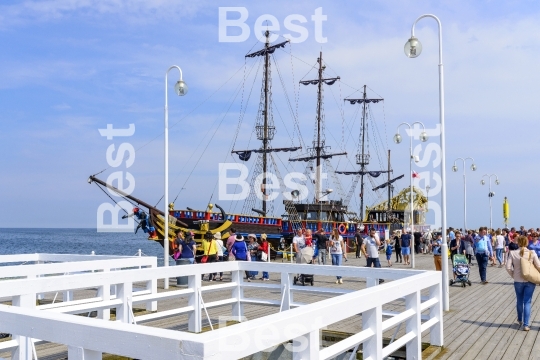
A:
(306, 257)
(461, 270)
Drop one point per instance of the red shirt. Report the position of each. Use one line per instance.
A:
(264, 247)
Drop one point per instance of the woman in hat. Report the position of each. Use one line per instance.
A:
(240, 251)
(210, 250)
(219, 243)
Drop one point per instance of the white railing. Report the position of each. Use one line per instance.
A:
(50, 265)
(88, 338)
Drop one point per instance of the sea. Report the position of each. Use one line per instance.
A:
(77, 241)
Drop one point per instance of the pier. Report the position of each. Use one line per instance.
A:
(480, 324)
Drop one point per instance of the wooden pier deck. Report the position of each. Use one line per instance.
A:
(481, 323)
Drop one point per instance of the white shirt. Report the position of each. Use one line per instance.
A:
(500, 242)
(299, 241)
(371, 247)
(219, 247)
(335, 245)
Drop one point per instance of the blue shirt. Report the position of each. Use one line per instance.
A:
(488, 244)
(452, 236)
(405, 240)
(436, 247)
(535, 248)
(187, 249)
(239, 250)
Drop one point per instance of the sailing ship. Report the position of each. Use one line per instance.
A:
(316, 213)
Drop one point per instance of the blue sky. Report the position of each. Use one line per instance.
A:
(70, 67)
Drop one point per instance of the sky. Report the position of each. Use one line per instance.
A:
(70, 67)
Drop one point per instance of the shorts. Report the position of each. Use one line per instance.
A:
(406, 250)
(388, 256)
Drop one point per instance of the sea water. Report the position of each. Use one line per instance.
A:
(78, 241)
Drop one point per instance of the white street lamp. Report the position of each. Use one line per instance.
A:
(397, 139)
(490, 195)
(413, 48)
(181, 89)
(455, 169)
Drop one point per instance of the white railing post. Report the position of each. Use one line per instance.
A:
(372, 319)
(124, 292)
(413, 324)
(151, 285)
(24, 350)
(291, 253)
(307, 346)
(40, 296)
(436, 312)
(238, 294)
(77, 353)
(286, 297)
(104, 292)
(194, 317)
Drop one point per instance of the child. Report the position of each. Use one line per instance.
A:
(389, 252)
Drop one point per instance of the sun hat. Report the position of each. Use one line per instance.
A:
(252, 236)
(263, 236)
(217, 236)
(239, 237)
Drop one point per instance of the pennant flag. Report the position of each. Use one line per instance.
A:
(415, 175)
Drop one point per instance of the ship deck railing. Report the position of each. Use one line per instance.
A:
(419, 294)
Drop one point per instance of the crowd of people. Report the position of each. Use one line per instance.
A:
(489, 247)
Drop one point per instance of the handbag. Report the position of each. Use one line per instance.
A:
(528, 270)
(264, 256)
(204, 259)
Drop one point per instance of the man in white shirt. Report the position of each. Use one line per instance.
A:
(298, 243)
(370, 248)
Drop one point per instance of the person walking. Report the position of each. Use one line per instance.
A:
(263, 249)
(436, 249)
(240, 251)
(322, 246)
(210, 251)
(337, 251)
(186, 246)
(358, 240)
(253, 248)
(483, 251)
(534, 245)
(406, 247)
(455, 246)
(524, 289)
(230, 242)
(499, 247)
(220, 248)
(299, 242)
(417, 241)
(397, 247)
(468, 246)
(389, 252)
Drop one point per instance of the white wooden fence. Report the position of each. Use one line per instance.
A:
(88, 338)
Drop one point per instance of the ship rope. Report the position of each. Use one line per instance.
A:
(110, 197)
(239, 89)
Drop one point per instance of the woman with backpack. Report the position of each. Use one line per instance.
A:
(523, 288)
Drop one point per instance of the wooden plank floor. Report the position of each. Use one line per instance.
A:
(481, 323)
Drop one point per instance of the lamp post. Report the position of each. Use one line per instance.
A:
(181, 89)
(397, 140)
(455, 169)
(413, 48)
(490, 195)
